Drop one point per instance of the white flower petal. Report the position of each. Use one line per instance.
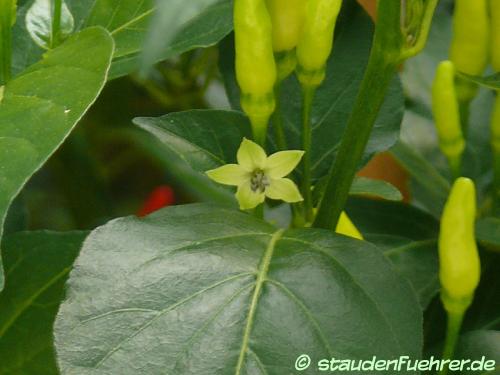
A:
(284, 189)
(251, 156)
(247, 198)
(282, 163)
(229, 174)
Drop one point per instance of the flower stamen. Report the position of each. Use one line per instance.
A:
(259, 181)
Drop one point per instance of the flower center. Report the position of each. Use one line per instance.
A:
(259, 181)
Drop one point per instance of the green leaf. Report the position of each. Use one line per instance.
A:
(335, 97)
(203, 31)
(205, 139)
(375, 188)
(363, 186)
(392, 218)
(37, 265)
(39, 22)
(478, 344)
(169, 19)
(424, 173)
(41, 106)
(406, 235)
(415, 260)
(197, 289)
(488, 232)
(126, 21)
(490, 82)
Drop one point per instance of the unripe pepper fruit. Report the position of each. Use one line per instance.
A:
(470, 44)
(316, 41)
(495, 34)
(287, 17)
(255, 65)
(445, 108)
(460, 269)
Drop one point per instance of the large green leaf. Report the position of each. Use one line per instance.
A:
(335, 97)
(37, 265)
(41, 106)
(205, 139)
(407, 236)
(197, 289)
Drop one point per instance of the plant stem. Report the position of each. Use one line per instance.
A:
(496, 183)
(308, 97)
(453, 330)
(279, 131)
(370, 99)
(384, 58)
(6, 40)
(56, 24)
(464, 106)
(456, 166)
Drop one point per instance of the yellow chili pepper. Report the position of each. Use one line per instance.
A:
(446, 112)
(495, 34)
(460, 269)
(316, 41)
(346, 227)
(470, 45)
(287, 18)
(255, 66)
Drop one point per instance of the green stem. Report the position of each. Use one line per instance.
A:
(279, 131)
(56, 24)
(370, 99)
(308, 97)
(384, 58)
(452, 333)
(464, 106)
(496, 183)
(455, 164)
(6, 40)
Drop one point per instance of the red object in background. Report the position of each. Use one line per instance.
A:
(160, 197)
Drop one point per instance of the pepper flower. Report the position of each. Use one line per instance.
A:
(258, 176)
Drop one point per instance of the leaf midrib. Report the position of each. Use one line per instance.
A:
(261, 278)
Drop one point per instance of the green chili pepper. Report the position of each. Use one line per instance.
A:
(287, 18)
(495, 34)
(470, 45)
(316, 41)
(446, 112)
(255, 66)
(459, 270)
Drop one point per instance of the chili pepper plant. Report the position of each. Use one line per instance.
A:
(267, 245)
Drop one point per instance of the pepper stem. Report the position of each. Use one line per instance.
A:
(56, 24)
(308, 97)
(455, 320)
(279, 131)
